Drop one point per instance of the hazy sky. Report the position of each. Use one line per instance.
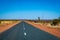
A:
(29, 9)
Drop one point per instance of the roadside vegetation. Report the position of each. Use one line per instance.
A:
(55, 23)
(7, 22)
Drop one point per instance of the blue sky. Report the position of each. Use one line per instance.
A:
(29, 9)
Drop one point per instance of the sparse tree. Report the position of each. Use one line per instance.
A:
(39, 19)
(55, 22)
(59, 18)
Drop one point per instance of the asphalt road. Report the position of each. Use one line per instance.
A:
(25, 31)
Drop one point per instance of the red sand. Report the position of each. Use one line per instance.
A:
(53, 31)
(5, 27)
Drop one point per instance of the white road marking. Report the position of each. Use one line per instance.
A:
(23, 26)
(25, 33)
(24, 30)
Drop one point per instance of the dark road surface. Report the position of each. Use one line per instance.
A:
(25, 31)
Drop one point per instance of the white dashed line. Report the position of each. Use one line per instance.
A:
(24, 30)
(25, 33)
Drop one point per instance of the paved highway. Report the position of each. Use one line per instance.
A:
(25, 31)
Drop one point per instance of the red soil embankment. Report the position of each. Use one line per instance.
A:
(5, 27)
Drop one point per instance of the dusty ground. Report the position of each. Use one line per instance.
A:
(7, 25)
(54, 31)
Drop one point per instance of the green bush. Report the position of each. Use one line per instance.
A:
(55, 22)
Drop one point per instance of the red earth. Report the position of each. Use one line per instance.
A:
(53, 31)
(5, 27)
